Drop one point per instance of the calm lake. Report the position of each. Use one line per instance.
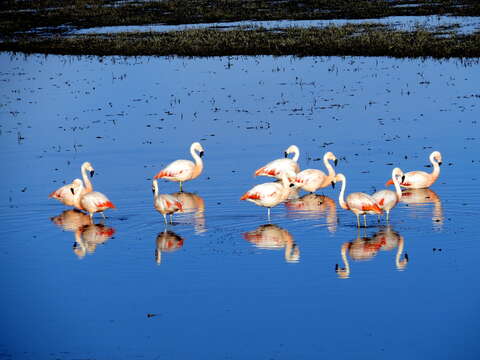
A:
(223, 283)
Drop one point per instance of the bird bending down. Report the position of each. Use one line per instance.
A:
(65, 196)
(312, 179)
(269, 194)
(91, 202)
(422, 179)
(387, 199)
(165, 203)
(184, 170)
(357, 202)
(275, 168)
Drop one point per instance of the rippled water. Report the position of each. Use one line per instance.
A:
(222, 282)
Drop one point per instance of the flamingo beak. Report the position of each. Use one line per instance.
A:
(201, 153)
(335, 162)
(286, 154)
(92, 173)
(73, 191)
(403, 179)
(333, 184)
(292, 185)
(439, 163)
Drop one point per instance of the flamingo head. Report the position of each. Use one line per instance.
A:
(437, 156)
(77, 184)
(291, 149)
(198, 147)
(89, 168)
(331, 156)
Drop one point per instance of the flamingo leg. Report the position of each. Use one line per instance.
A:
(103, 215)
(171, 218)
(388, 213)
(358, 220)
(181, 190)
(165, 218)
(268, 212)
(365, 219)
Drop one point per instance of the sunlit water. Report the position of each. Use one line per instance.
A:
(222, 283)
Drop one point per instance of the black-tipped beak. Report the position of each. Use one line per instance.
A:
(403, 179)
(439, 163)
(335, 162)
(286, 154)
(201, 153)
(292, 185)
(92, 173)
(73, 191)
(153, 190)
(333, 184)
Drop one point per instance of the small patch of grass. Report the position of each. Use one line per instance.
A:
(354, 40)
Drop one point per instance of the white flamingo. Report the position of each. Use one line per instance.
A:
(184, 170)
(65, 196)
(164, 203)
(422, 179)
(277, 167)
(387, 199)
(313, 179)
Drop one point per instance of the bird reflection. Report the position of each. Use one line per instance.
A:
(271, 236)
(417, 198)
(167, 241)
(313, 206)
(87, 235)
(366, 248)
(193, 203)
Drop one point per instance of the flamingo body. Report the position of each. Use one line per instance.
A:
(277, 167)
(387, 199)
(94, 202)
(184, 170)
(313, 179)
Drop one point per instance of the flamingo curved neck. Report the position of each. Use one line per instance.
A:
(155, 188)
(436, 168)
(296, 152)
(77, 196)
(398, 190)
(86, 179)
(341, 199)
(331, 171)
(198, 162)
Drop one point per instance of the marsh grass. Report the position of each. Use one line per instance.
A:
(364, 39)
(45, 26)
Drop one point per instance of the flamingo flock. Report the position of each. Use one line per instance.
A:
(286, 171)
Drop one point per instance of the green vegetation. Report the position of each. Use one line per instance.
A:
(44, 25)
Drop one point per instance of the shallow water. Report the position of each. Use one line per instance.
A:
(458, 24)
(223, 283)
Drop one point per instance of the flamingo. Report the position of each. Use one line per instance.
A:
(65, 196)
(88, 237)
(269, 194)
(165, 203)
(184, 170)
(421, 179)
(357, 202)
(271, 236)
(193, 203)
(392, 239)
(315, 207)
(92, 202)
(275, 168)
(387, 199)
(312, 179)
(167, 241)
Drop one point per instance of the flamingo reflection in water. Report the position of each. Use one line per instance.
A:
(167, 241)
(313, 206)
(195, 205)
(366, 248)
(87, 235)
(273, 237)
(418, 199)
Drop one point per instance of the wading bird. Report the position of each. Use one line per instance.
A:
(313, 179)
(184, 170)
(357, 202)
(275, 168)
(421, 179)
(387, 199)
(65, 196)
(91, 202)
(165, 204)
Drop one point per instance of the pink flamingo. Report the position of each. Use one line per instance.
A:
(269, 194)
(387, 199)
(65, 196)
(184, 170)
(165, 203)
(275, 168)
(312, 179)
(357, 202)
(91, 202)
(421, 179)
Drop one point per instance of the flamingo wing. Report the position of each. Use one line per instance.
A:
(63, 194)
(363, 203)
(277, 167)
(179, 170)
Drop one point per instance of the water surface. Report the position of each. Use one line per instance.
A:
(222, 282)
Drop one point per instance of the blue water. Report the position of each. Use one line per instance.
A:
(221, 286)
